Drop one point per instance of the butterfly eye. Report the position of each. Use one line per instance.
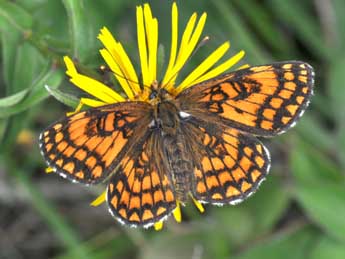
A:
(153, 95)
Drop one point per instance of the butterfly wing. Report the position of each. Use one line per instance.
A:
(141, 193)
(228, 165)
(87, 146)
(262, 100)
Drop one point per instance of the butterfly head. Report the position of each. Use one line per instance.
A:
(158, 93)
(165, 110)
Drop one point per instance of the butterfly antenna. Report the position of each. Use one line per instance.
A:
(200, 44)
(107, 69)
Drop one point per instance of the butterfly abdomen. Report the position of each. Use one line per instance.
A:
(180, 166)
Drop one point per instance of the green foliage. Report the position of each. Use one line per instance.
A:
(297, 213)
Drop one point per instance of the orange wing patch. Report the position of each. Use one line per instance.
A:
(262, 100)
(141, 193)
(229, 165)
(86, 147)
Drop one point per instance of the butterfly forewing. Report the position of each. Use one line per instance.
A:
(86, 147)
(262, 100)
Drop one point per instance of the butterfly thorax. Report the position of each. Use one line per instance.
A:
(165, 110)
(167, 118)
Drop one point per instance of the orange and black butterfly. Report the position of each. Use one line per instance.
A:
(200, 142)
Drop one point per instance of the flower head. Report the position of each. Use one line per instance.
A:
(123, 69)
(125, 73)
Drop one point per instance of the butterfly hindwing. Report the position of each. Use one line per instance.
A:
(141, 192)
(262, 100)
(228, 165)
(86, 146)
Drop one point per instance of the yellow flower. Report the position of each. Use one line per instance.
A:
(120, 64)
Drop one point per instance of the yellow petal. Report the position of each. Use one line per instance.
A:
(121, 58)
(118, 73)
(177, 212)
(221, 68)
(174, 39)
(142, 45)
(96, 89)
(79, 106)
(91, 102)
(158, 225)
(151, 27)
(71, 69)
(244, 66)
(88, 102)
(90, 85)
(99, 200)
(198, 205)
(170, 76)
(188, 43)
(187, 34)
(204, 66)
(196, 34)
(123, 61)
(49, 170)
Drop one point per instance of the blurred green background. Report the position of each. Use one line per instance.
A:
(299, 211)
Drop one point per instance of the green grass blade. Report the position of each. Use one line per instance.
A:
(264, 25)
(304, 24)
(243, 36)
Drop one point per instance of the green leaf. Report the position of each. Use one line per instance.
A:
(315, 133)
(13, 99)
(9, 45)
(339, 9)
(324, 203)
(286, 245)
(184, 244)
(29, 63)
(328, 248)
(336, 87)
(319, 189)
(341, 144)
(82, 35)
(53, 78)
(105, 244)
(51, 25)
(65, 98)
(14, 126)
(235, 222)
(22, 62)
(268, 204)
(14, 17)
(337, 97)
(309, 164)
(255, 216)
(321, 102)
(15, 22)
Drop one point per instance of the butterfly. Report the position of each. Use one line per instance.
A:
(199, 142)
